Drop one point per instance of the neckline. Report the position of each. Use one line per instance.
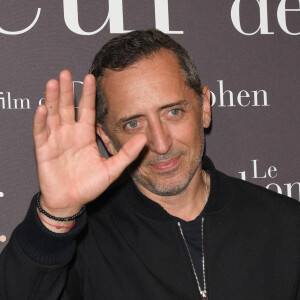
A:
(151, 209)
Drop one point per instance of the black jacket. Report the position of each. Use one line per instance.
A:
(131, 248)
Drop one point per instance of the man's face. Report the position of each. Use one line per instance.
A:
(151, 97)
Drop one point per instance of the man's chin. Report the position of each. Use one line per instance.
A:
(167, 188)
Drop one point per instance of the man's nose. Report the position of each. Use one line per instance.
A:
(159, 138)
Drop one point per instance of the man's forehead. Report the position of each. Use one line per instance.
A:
(161, 65)
(151, 62)
(148, 84)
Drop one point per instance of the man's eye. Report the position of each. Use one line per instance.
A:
(174, 111)
(132, 124)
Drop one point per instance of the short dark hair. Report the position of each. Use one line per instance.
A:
(127, 49)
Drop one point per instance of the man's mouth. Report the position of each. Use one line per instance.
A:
(166, 165)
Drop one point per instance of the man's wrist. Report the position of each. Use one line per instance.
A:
(57, 222)
(55, 226)
(59, 214)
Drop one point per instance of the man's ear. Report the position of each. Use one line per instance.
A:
(206, 109)
(106, 140)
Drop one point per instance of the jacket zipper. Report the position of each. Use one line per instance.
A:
(203, 293)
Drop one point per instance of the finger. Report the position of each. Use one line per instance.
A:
(66, 99)
(51, 102)
(39, 129)
(86, 109)
(126, 155)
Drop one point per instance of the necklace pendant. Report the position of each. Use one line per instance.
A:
(204, 296)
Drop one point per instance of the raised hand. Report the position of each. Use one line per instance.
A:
(71, 170)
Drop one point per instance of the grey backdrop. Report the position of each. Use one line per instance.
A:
(246, 51)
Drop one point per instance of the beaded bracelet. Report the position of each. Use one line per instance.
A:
(66, 219)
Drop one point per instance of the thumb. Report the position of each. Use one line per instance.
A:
(117, 163)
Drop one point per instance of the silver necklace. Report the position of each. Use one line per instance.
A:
(203, 292)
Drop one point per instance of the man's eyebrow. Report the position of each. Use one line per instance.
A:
(127, 119)
(180, 102)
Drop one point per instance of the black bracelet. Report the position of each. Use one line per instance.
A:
(66, 219)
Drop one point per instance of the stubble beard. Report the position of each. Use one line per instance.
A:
(160, 186)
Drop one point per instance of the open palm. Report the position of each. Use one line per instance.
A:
(71, 170)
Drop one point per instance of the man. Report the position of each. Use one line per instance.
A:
(177, 228)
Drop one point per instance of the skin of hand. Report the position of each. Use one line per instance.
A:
(71, 170)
